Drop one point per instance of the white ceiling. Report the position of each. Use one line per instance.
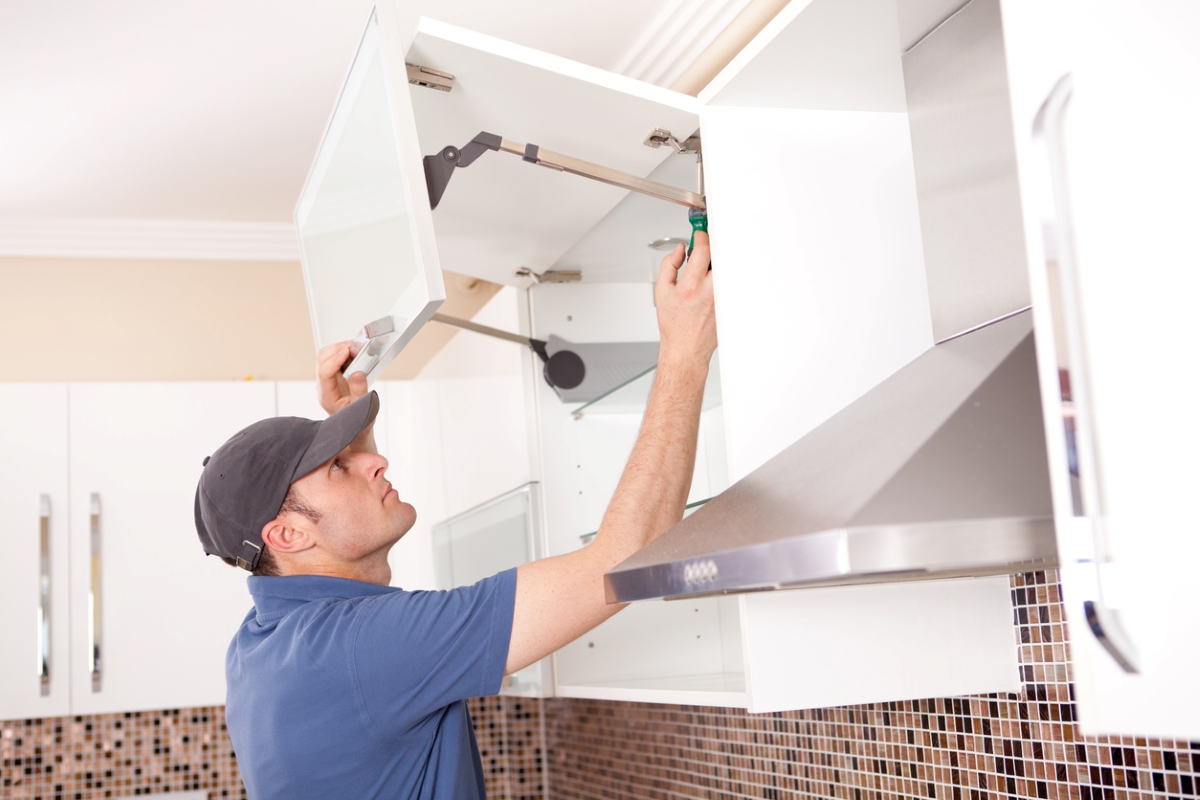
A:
(212, 109)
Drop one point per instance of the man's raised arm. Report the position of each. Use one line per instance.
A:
(561, 598)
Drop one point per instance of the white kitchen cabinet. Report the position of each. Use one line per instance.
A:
(1105, 122)
(821, 294)
(160, 612)
(677, 652)
(34, 593)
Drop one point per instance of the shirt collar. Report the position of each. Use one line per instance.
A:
(276, 595)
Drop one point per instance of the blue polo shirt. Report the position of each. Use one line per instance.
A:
(338, 688)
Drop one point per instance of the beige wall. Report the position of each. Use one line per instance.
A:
(133, 320)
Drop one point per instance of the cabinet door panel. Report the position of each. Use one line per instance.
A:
(167, 612)
(33, 439)
(815, 648)
(1118, 148)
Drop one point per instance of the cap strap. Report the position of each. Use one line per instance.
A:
(248, 560)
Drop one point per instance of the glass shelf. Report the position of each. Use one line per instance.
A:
(631, 396)
(687, 510)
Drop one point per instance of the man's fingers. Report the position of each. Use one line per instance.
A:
(697, 265)
(358, 384)
(331, 359)
(669, 269)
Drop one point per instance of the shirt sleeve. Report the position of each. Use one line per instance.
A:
(417, 652)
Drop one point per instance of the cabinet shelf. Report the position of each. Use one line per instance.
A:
(631, 396)
(727, 689)
(688, 509)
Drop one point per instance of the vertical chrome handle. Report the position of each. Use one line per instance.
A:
(1067, 308)
(43, 612)
(95, 598)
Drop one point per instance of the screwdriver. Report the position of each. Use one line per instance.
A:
(698, 218)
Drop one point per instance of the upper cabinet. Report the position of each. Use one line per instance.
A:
(501, 213)
(877, 175)
(1105, 123)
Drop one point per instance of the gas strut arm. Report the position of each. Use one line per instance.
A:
(439, 168)
(537, 345)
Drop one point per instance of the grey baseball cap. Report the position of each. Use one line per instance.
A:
(245, 481)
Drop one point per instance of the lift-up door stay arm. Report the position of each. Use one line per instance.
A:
(439, 168)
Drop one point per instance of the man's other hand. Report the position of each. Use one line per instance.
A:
(687, 322)
(334, 390)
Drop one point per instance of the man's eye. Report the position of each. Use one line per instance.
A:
(337, 463)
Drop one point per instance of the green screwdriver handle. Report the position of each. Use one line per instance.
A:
(699, 221)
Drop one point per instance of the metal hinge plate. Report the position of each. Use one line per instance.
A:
(551, 275)
(660, 136)
(429, 78)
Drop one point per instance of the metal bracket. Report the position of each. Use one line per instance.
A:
(551, 275)
(439, 168)
(660, 136)
(369, 345)
(429, 78)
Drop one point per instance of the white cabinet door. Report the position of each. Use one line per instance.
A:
(34, 625)
(1107, 119)
(164, 613)
(366, 236)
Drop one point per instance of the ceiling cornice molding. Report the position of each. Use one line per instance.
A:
(676, 37)
(202, 240)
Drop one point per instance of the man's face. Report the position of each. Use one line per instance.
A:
(360, 511)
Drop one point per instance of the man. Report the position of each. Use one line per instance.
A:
(342, 686)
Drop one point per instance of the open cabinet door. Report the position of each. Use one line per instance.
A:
(1106, 92)
(364, 221)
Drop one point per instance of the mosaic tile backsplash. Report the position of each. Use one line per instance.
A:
(971, 748)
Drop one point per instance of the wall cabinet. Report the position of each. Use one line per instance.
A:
(822, 293)
(1105, 121)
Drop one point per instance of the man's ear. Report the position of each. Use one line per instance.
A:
(283, 538)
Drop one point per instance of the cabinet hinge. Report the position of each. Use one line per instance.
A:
(551, 275)
(429, 78)
(660, 136)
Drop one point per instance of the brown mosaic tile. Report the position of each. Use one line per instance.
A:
(1022, 745)
(509, 733)
(118, 755)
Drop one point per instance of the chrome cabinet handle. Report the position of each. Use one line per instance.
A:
(95, 598)
(1075, 392)
(43, 612)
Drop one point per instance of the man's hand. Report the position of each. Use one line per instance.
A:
(334, 390)
(687, 323)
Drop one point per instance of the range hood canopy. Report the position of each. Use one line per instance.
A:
(939, 471)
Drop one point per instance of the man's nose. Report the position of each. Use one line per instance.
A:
(377, 464)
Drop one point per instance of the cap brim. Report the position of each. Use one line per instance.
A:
(337, 432)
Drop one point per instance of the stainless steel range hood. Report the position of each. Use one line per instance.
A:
(940, 470)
